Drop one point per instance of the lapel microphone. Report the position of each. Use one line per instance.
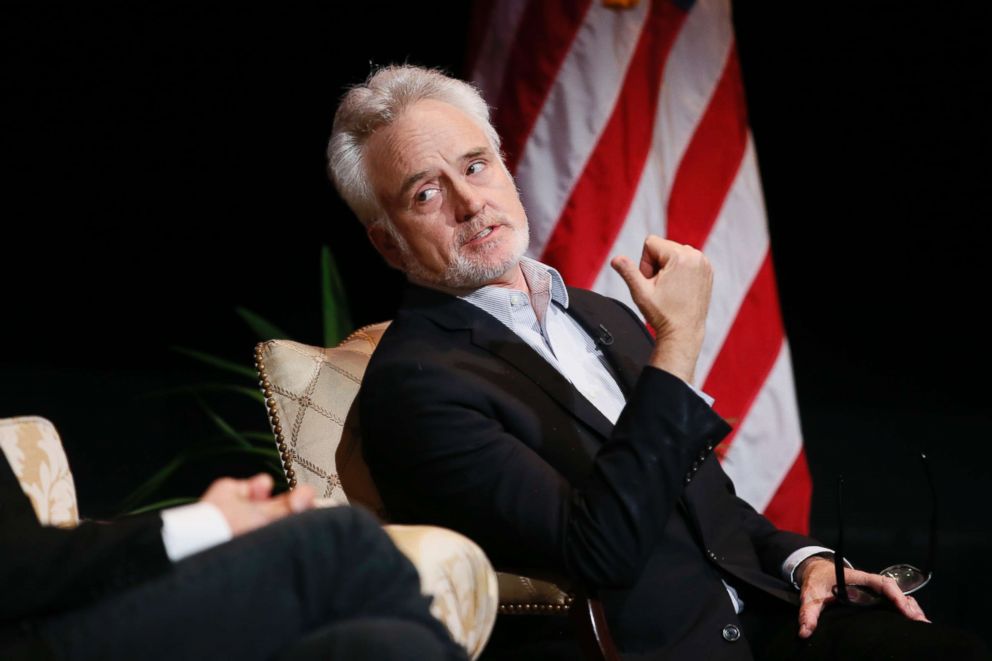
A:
(604, 339)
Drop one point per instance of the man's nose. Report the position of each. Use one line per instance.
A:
(468, 201)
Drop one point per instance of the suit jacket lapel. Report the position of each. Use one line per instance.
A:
(489, 334)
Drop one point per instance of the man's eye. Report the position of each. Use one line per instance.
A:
(426, 194)
(477, 166)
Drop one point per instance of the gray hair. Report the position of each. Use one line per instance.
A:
(377, 103)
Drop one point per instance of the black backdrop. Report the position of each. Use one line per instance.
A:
(165, 165)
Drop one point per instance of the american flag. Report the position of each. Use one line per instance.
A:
(623, 118)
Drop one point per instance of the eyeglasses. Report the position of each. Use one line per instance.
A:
(907, 577)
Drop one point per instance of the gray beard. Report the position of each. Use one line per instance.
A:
(463, 273)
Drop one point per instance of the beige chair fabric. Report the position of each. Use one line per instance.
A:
(309, 392)
(34, 451)
(455, 571)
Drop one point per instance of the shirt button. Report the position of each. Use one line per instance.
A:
(731, 633)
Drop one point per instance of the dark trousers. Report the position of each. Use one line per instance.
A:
(771, 627)
(325, 584)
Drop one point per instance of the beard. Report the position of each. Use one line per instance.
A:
(472, 268)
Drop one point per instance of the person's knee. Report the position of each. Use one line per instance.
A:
(350, 529)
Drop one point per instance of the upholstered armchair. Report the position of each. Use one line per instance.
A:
(34, 451)
(452, 569)
(309, 393)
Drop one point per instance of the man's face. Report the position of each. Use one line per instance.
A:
(458, 221)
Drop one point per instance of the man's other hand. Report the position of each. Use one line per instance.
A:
(671, 287)
(818, 579)
(249, 504)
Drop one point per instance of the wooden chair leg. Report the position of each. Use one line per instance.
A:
(590, 624)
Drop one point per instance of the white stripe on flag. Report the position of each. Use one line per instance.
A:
(647, 216)
(571, 121)
(769, 440)
(691, 75)
(736, 247)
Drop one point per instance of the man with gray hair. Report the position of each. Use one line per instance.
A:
(544, 421)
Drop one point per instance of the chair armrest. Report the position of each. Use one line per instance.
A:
(458, 575)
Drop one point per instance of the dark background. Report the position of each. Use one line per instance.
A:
(165, 165)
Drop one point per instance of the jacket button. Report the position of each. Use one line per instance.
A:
(731, 633)
(711, 555)
(688, 479)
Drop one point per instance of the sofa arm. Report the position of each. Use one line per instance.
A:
(458, 575)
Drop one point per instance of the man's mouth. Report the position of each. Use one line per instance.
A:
(483, 233)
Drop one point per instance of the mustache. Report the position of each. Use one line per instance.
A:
(468, 231)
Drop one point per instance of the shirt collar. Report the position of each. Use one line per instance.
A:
(499, 301)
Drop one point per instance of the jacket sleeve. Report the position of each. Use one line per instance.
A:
(44, 570)
(773, 545)
(438, 456)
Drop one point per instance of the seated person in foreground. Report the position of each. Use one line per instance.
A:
(490, 406)
(293, 583)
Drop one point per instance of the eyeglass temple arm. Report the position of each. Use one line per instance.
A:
(932, 554)
(839, 553)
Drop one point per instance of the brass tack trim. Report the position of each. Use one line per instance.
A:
(273, 414)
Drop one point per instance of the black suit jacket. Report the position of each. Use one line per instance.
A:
(46, 570)
(465, 426)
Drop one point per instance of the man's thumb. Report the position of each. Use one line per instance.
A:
(626, 269)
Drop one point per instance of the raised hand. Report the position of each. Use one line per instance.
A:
(671, 287)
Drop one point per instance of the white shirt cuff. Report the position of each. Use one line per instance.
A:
(706, 398)
(193, 528)
(796, 558)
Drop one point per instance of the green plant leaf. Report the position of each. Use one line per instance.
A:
(215, 361)
(260, 437)
(264, 329)
(337, 319)
(153, 483)
(204, 388)
(269, 457)
(222, 424)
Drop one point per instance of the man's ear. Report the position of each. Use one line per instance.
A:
(386, 245)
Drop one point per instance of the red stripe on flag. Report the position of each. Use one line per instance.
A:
(789, 507)
(711, 161)
(597, 208)
(547, 30)
(749, 352)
